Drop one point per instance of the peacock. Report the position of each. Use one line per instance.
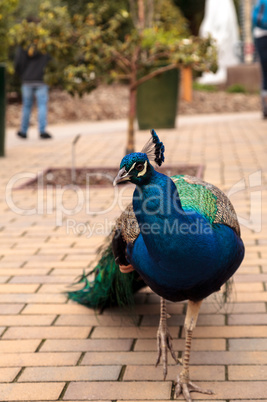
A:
(180, 236)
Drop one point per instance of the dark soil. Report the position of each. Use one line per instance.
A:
(97, 176)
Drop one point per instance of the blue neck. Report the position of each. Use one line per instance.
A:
(158, 210)
(159, 195)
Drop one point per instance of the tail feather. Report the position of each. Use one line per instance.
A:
(110, 287)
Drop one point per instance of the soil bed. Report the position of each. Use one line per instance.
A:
(98, 176)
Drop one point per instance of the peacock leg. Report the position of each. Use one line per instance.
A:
(184, 385)
(164, 339)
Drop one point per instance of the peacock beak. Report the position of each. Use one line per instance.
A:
(123, 175)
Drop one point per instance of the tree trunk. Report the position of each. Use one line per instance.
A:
(141, 14)
(131, 119)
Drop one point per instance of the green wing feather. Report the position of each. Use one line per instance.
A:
(207, 199)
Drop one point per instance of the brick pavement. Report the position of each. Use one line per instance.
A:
(53, 349)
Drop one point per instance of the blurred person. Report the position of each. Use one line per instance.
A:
(259, 28)
(220, 21)
(30, 66)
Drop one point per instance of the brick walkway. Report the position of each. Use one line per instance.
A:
(52, 349)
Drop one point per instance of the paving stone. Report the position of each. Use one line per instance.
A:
(41, 279)
(232, 308)
(22, 252)
(147, 309)
(179, 344)
(71, 271)
(4, 279)
(20, 320)
(30, 392)
(56, 264)
(251, 297)
(231, 332)
(96, 320)
(248, 373)
(54, 288)
(38, 359)
(247, 319)
(19, 346)
(14, 288)
(121, 358)
(227, 357)
(84, 345)
(152, 373)
(249, 287)
(248, 344)
(118, 390)
(175, 320)
(45, 258)
(234, 390)
(250, 278)
(129, 332)
(78, 373)
(32, 298)
(57, 309)
(247, 308)
(10, 308)
(24, 271)
(46, 333)
(8, 374)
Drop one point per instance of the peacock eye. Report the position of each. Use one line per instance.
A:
(139, 167)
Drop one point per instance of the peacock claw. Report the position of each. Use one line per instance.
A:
(164, 342)
(185, 387)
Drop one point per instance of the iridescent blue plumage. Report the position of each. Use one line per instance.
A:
(130, 159)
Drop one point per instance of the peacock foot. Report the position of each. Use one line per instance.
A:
(164, 342)
(185, 386)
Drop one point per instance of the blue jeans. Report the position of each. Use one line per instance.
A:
(40, 91)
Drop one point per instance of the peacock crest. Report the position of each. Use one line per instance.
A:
(154, 149)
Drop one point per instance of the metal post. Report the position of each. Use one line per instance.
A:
(73, 167)
(2, 108)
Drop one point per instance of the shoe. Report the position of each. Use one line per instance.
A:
(22, 135)
(45, 136)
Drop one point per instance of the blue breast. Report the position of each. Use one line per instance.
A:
(179, 254)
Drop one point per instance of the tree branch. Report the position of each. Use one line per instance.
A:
(124, 60)
(153, 74)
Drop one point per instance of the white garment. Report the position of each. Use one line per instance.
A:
(259, 33)
(220, 21)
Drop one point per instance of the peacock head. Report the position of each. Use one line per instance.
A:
(136, 167)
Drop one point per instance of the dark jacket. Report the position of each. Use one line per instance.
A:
(30, 68)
